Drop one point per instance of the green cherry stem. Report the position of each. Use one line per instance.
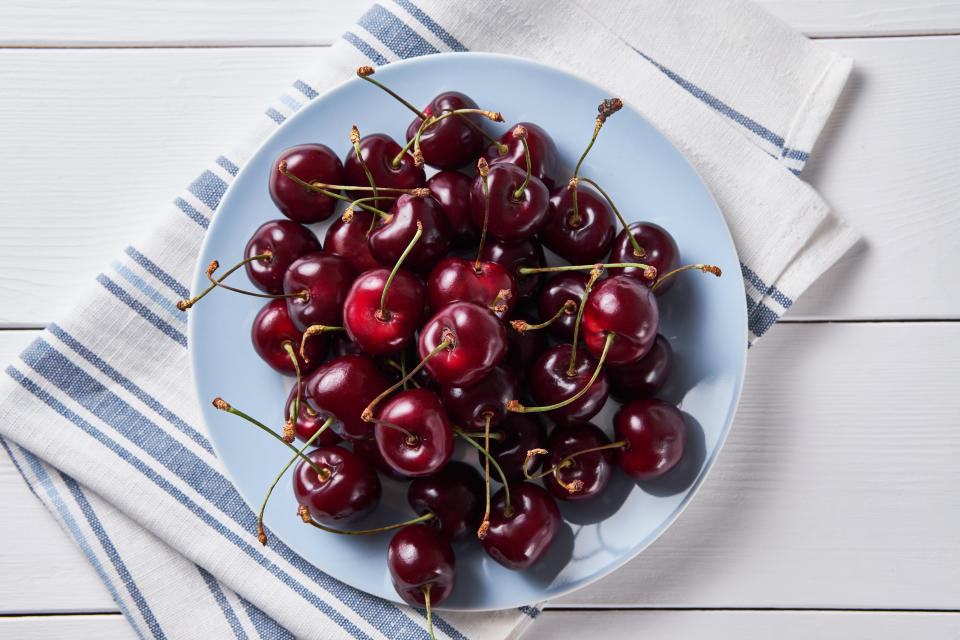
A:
(522, 326)
(449, 341)
(594, 276)
(355, 141)
(426, 601)
(706, 268)
(214, 265)
(649, 272)
(508, 511)
(282, 168)
(432, 120)
(304, 514)
(483, 168)
(520, 133)
(576, 485)
(638, 251)
(183, 305)
(313, 330)
(384, 313)
(607, 108)
(366, 71)
(290, 428)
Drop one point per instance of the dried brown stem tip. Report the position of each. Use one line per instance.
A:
(418, 158)
(289, 432)
(482, 531)
(651, 272)
(261, 536)
(354, 135)
(572, 185)
(514, 405)
(575, 487)
(304, 513)
(493, 115)
(183, 305)
(609, 107)
(365, 71)
(519, 325)
(483, 167)
(347, 216)
(213, 266)
(536, 452)
(420, 192)
(709, 268)
(221, 404)
(519, 132)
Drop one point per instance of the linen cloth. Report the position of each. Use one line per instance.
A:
(99, 413)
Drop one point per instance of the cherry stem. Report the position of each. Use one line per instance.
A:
(706, 268)
(515, 406)
(648, 271)
(384, 314)
(494, 435)
(403, 368)
(508, 510)
(522, 326)
(290, 428)
(348, 212)
(412, 438)
(521, 133)
(366, 72)
(395, 163)
(416, 191)
(483, 169)
(304, 514)
(282, 168)
(485, 523)
(565, 462)
(638, 251)
(183, 305)
(434, 119)
(355, 140)
(594, 276)
(324, 474)
(426, 601)
(219, 403)
(313, 330)
(500, 303)
(367, 414)
(214, 265)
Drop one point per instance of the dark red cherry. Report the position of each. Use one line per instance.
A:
(470, 406)
(419, 556)
(656, 434)
(326, 278)
(584, 476)
(479, 343)
(563, 286)
(524, 348)
(659, 250)
(342, 388)
(311, 163)
(586, 239)
(515, 435)
(349, 240)
(511, 218)
(452, 142)
(527, 253)
(287, 241)
(309, 421)
(520, 538)
(452, 190)
(624, 307)
(428, 446)
(389, 239)
(544, 158)
(370, 452)
(378, 151)
(350, 491)
(455, 279)
(646, 376)
(272, 328)
(455, 497)
(379, 333)
(550, 384)
(342, 345)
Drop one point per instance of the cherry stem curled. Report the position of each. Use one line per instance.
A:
(304, 514)
(313, 330)
(638, 251)
(576, 485)
(384, 313)
(183, 305)
(706, 268)
(508, 510)
(607, 108)
(449, 341)
(522, 326)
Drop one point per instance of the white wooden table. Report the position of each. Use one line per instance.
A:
(834, 509)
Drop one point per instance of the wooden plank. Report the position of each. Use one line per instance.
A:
(832, 18)
(89, 627)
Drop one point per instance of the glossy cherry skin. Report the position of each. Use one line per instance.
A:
(271, 328)
(452, 190)
(586, 241)
(326, 278)
(378, 151)
(422, 414)
(349, 240)
(624, 307)
(455, 497)
(656, 433)
(470, 406)
(646, 376)
(527, 253)
(389, 239)
(521, 539)
(351, 491)
(418, 555)
(593, 469)
(311, 163)
(511, 219)
(342, 388)
(342, 345)
(561, 287)
(455, 279)
(287, 241)
(524, 348)
(451, 143)
(377, 333)
(308, 422)
(544, 158)
(518, 433)
(370, 452)
(480, 343)
(659, 250)
(550, 384)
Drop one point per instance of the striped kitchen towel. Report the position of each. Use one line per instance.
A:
(102, 422)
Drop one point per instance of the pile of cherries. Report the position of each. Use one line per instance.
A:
(429, 315)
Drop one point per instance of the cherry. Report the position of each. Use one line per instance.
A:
(455, 279)
(413, 433)
(349, 240)
(522, 527)
(348, 490)
(370, 452)
(379, 151)
(326, 278)
(421, 564)
(342, 345)
(341, 388)
(622, 307)
(656, 436)
(285, 241)
(308, 422)
(544, 158)
(551, 382)
(379, 328)
(454, 495)
(558, 291)
(518, 205)
(390, 238)
(524, 347)
(452, 142)
(471, 407)
(513, 256)
(517, 434)
(646, 376)
(581, 476)
(659, 251)
(273, 332)
(452, 190)
(584, 237)
(476, 342)
(310, 163)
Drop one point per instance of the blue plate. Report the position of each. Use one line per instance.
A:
(703, 317)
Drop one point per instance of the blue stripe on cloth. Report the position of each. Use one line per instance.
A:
(131, 387)
(141, 309)
(305, 89)
(230, 168)
(208, 188)
(762, 318)
(193, 214)
(153, 269)
(429, 23)
(275, 115)
(208, 482)
(150, 292)
(87, 509)
(364, 48)
(290, 102)
(394, 33)
(795, 171)
(762, 287)
(803, 156)
(267, 627)
(533, 612)
(224, 604)
(57, 501)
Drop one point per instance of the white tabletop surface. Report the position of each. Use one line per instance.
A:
(834, 508)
